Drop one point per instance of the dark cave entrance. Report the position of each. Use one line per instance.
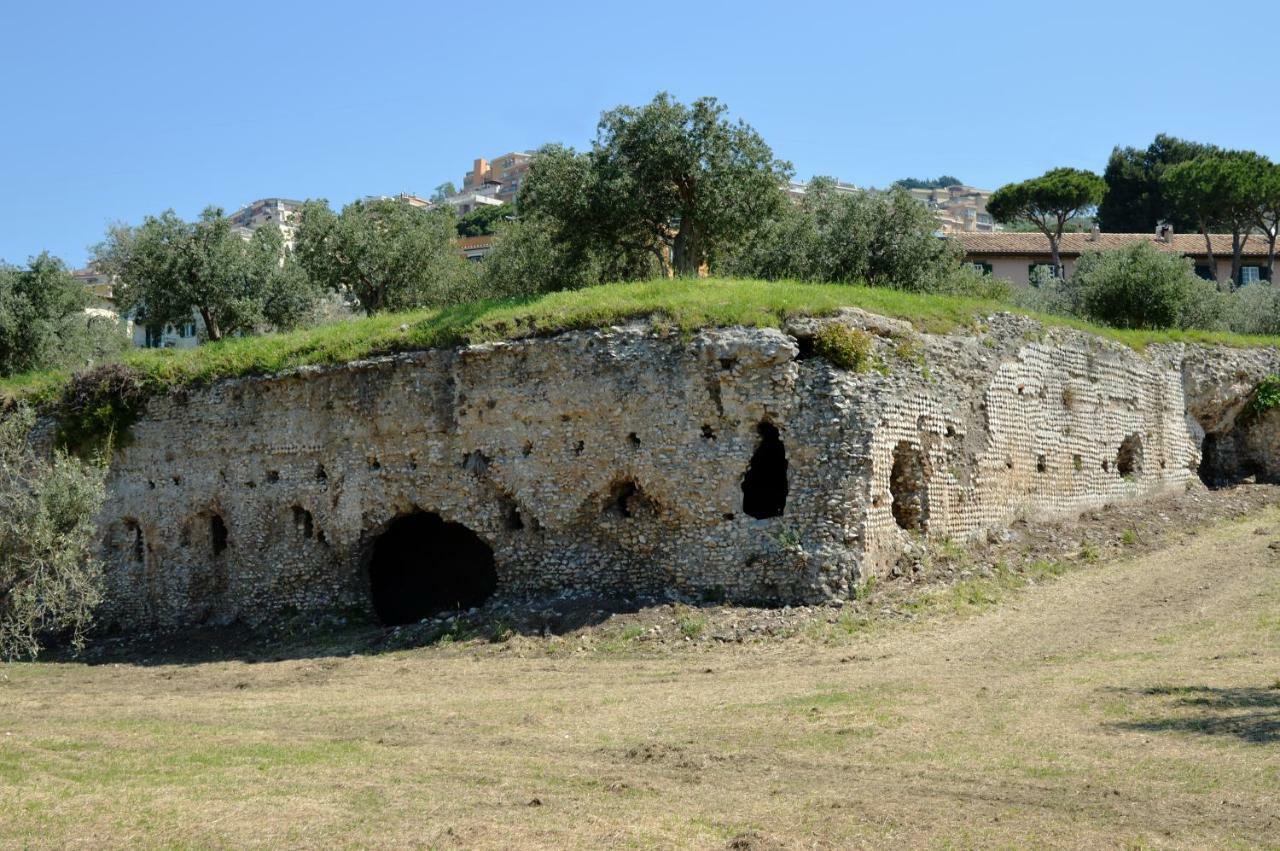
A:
(422, 565)
(764, 487)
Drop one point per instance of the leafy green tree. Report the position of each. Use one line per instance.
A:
(1269, 213)
(1140, 286)
(49, 579)
(169, 269)
(527, 259)
(483, 220)
(681, 182)
(386, 253)
(936, 183)
(443, 191)
(1049, 201)
(879, 239)
(1135, 201)
(42, 319)
(1219, 191)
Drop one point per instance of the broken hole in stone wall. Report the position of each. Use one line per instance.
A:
(217, 534)
(1129, 456)
(764, 486)
(422, 565)
(303, 522)
(137, 544)
(1223, 463)
(907, 486)
(511, 519)
(626, 499)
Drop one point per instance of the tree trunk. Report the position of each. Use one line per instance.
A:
(1237, 249)
(210, 325)
(1213, 261)
(1271, 256)
(1058, 271)
(687, 251)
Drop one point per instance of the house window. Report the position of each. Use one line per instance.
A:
(1205, 272)
(981, 267)
(1042, 271)
(1250, 274)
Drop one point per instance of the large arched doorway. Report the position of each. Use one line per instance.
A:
(422, 565)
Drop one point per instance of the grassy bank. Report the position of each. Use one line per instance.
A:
(681, 304)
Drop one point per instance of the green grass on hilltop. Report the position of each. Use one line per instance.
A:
(678, 304)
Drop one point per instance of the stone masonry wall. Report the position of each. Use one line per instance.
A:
(614, 461)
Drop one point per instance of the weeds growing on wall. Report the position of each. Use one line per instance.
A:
(847, 348)
(1265, 396)
(97, 409)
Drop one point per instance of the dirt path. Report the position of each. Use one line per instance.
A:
(1132, 704)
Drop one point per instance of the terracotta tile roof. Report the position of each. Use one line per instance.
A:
(1191, 244)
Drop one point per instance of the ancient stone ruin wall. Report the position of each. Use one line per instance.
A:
(733, 465)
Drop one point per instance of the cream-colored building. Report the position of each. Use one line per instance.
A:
(959, 208)
(1014, 256)
(281, 212)
(499, 178)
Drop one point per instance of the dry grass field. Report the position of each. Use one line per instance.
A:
(1127, 703)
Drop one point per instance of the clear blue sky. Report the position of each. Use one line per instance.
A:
(116, 110)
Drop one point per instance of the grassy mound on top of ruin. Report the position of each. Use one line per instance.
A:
(682, 305)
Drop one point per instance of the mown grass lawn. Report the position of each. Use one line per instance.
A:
(1122, 704)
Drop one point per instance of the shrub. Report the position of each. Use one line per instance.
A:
(49, 583)
(847, 348)
(1255, 309)
(98, 407)
(1265, 396)
(1141, 287)
(882, 240)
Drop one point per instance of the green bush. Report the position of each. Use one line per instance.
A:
(98, 407)
(1141, 287)
(49, 581)
(847, 348)
(882, 240)
(1255, 309)
(1266, 395)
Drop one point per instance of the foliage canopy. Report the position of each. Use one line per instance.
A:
(169, 270)
(49, 580)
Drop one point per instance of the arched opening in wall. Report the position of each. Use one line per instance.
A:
(422, 565)
(764, 487)
(303, 522)
(907, 486)
(1129, 456)
(134, 542)
(1223, 463)
(217, 534)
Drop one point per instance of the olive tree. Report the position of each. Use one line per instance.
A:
(168, 270)
(43, 321)
(1140, 286)
(1049, 202)
(385, 252)
(50, 581)
(680, 182)
(879, 239)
